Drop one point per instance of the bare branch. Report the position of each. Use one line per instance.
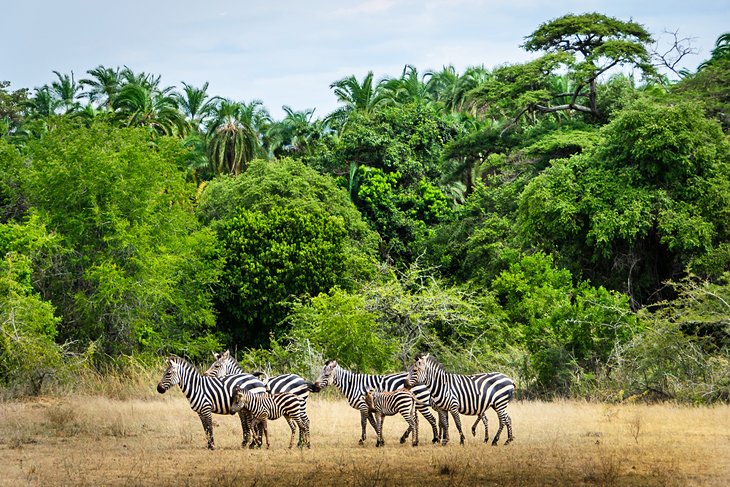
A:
(670, 57)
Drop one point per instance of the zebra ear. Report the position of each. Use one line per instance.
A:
(216, 355)
(226, 354)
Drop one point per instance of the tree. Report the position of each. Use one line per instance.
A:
(103, 85)
(596, 43)
(291, 136)
(362, 97)
(12, 108)
(233, 136)
(195, 104)
(409, 88)
(270, 258)
(647, 200)
(66, 91)
(135, 269)
(140, 105)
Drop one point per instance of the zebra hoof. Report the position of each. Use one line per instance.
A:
(361, 442)
(402, 440)
(435, 440)
(414, 444)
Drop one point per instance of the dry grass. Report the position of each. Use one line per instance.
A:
(100, 441)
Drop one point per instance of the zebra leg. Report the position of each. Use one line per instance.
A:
(207, 420)
(486, 428)
(474, 426)
(265, 427)
(414, 425)
(245, 418)
(379, 418)
(364, 417)
(444, 426)
(457, 422)
(405, 435)
(292, 426)
(303, 423)
(432, 421)
(255, 434)
(504, 420)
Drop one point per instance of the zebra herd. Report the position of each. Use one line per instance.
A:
(226, 389)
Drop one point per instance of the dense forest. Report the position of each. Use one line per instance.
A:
(564, 220)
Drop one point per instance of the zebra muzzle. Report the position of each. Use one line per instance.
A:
(160, 388)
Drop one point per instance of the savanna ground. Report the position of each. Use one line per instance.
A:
(100, 441)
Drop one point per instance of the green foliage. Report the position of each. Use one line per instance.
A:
(270, 257)
(339, 326)
(709, 87)
(138, 269)
(289, 183)
(12, 204)
(28, 353)
(684, 350)
(652, 195)
(406, 139)
(568, 330)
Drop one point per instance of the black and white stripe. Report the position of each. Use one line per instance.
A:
(465, 394)
(226, 365)
(208, 395)
(390, 403)
(273, 406)
(353, 386)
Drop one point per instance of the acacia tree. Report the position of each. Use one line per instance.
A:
(596, 43)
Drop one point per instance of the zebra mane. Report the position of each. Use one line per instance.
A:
(184, 362)
(431, 360)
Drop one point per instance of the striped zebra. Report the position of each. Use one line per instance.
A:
(391, 403)
(208, 395)
(273, 406)
(465, 394)
(354, 386)
(226, 365)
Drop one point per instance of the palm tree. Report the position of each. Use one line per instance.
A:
(139, 105)
(408, 88)
(66, 91)
(293, 133)
(720, 52)
(363, 97)
(195, 104)
(42, 103)
(103, 86)
(234, 137)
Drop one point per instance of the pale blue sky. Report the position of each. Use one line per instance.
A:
(289, 52)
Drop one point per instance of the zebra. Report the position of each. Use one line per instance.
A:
(354, 386)
(273, 406)
(208, 395)
(390, 403)
(226, 365)
(465, 394)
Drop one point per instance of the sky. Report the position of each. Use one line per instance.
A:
(288, 52)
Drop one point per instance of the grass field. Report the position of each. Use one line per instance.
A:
(99, 441)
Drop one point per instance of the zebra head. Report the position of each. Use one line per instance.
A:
(368, 398)
(222, 365)
(327, 375)
(417, 372)
(170, 376)
(241, 400)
